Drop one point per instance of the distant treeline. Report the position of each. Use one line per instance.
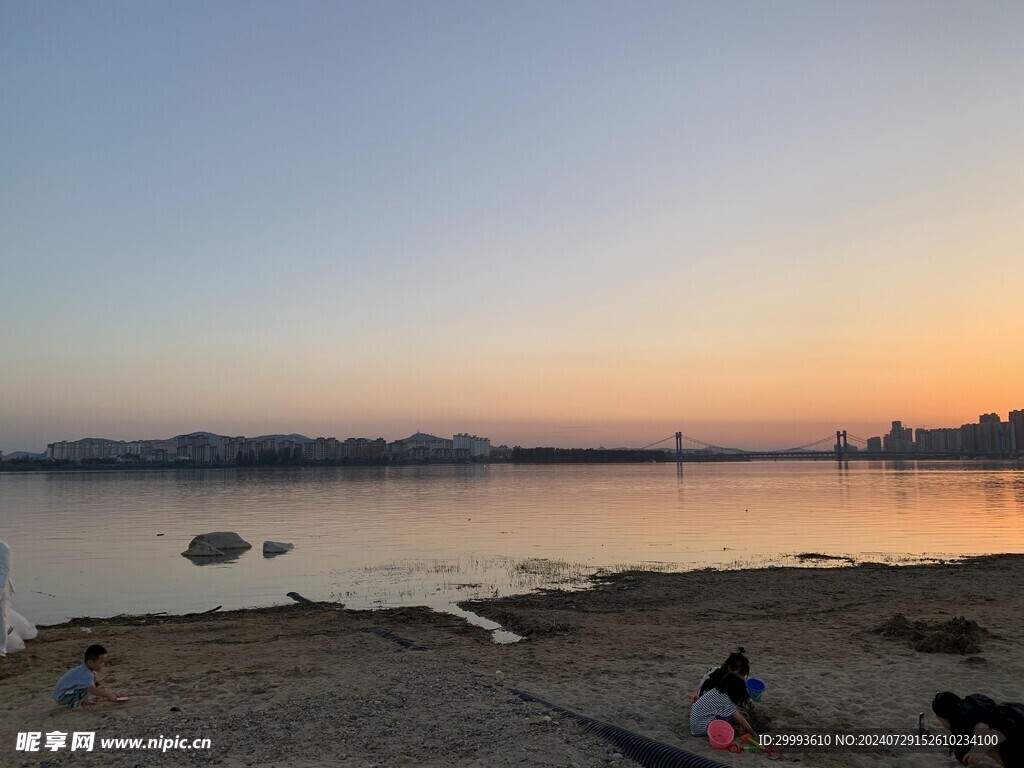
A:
(585, 455)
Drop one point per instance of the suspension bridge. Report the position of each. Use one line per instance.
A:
(839, 445)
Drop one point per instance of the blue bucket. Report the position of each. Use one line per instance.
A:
(755, 688)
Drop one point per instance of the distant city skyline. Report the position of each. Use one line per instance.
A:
(757, 438)
(566, 224)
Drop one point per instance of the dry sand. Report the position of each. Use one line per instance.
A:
(298, 686)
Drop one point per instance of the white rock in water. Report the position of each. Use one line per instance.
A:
(276, 547)
(222, 540)
(499, 677)
(202, 549)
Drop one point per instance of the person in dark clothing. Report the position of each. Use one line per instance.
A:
(737, 664)
(978, 715)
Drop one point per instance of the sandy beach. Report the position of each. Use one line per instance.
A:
(304, 685)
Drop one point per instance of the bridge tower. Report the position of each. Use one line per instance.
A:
(840, 445)
(679, 446)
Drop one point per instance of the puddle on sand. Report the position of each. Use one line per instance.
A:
(498, 635)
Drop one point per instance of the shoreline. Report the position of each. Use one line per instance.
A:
(563, 577)
(324, 685)
(573, 584)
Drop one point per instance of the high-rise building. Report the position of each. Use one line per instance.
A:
(989, 435)
(421, 446)
(200, 447)
(363, 449)
(321, 449)
(900, 438)
(1017, 426)
(92, 448)
(235, 448)
(466, 446)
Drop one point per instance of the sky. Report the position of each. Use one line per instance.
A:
(572, 223)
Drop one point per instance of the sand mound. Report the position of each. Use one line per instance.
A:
(958, 635)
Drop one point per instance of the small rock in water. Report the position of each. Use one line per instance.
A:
(276, 547)
(202, 549)
(222, 540)
(499, 677)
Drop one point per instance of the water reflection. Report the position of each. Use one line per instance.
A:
(224, 559)
(499, 635)
(437, 534)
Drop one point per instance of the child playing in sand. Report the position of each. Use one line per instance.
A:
(737, 664)
(721, 702)
(729, 701)
(78, 683)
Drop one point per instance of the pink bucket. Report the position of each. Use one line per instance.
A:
(720, 734)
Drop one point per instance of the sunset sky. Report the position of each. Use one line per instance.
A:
(569, 223)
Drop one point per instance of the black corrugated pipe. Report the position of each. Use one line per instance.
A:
(646, 751)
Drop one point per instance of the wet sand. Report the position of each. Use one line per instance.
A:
(316, 686)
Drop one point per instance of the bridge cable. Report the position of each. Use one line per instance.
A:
(739, 451)
(657, 443)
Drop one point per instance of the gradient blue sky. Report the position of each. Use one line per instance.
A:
(552, 223)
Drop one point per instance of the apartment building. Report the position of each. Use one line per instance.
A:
(466, 446)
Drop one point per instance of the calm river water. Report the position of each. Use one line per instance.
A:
(102, 543)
